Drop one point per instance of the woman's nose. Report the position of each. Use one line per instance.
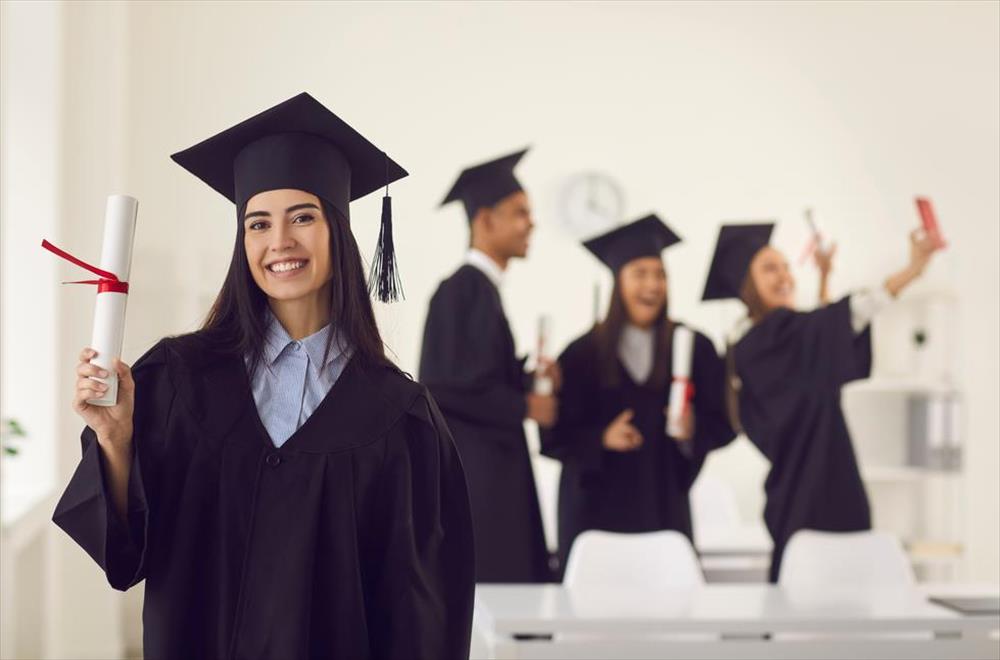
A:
(282, 239)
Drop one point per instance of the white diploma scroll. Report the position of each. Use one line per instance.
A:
(109, 310)
(680, 385)
(543, 384)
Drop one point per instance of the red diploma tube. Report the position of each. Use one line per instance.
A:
(929, 220)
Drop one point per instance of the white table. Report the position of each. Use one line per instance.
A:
(729, 621)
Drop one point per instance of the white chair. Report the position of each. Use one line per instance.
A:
(608, 568)
(845, 559)
(643, 561)
(818, 563)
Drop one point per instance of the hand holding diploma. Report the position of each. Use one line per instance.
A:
(547, 379)
(922, 248)
(111, 424)
(680, 424)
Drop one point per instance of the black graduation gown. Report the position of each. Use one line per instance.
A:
(642, 490)
(353, 540)
(469, 364)
(792, 366)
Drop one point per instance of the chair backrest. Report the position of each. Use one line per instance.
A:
(649, 559)
(713, 505)
(872, 558)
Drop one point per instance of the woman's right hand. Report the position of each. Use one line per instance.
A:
(620, 435)
(112, 424)
(922, 247)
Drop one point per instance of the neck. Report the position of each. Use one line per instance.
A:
(497, 258)
(303, 316)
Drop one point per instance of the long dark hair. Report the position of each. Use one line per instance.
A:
(608, 333)
(756, 310)
(238, 316)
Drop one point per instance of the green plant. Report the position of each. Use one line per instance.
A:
(10, 429)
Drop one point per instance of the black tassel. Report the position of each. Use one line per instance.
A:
(384, 277)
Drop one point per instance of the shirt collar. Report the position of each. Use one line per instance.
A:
(739, 330)
(278, 340)
(484, 263)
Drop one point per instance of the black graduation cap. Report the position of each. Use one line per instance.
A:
(734, 251)
(301, 144)
(486, 184)
(645, 237)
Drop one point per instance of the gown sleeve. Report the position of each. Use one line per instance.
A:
(576, 439)
(836, 353)
(712, 429)
(462, 360)
(86, 509)
(423, 564)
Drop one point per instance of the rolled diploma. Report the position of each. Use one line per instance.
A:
(109, 309)
(681, 371)
(543, 384)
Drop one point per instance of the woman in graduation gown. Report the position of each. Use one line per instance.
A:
(786, 369)
(282, 488)
(621, 471)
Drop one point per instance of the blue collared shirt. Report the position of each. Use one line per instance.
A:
(293, 378)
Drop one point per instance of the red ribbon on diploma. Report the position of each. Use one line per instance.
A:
(688, 391)
(109, 282)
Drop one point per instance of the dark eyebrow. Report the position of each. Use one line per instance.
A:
(290, 209)
(307, 205)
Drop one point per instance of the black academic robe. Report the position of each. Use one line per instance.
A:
(353, 540)
(469, 364)
(646, 489)
(792, 366)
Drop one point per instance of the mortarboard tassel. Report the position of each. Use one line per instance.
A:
(384, 277)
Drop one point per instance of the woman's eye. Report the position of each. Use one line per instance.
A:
(257, 225)
(303, 218)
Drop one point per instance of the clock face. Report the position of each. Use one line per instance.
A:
(591, 203)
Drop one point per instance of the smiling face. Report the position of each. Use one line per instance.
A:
(287, 241)
(772, 279)
(643, 284)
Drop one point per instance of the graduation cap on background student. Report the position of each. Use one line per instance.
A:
(301, 144)
(483, 185)
(645, 237)
(734, 250)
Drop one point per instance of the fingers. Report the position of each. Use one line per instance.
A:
(87, 354)
(125, 380)
(84, 394)
(85, 369)
(90, 385)
(625, 416)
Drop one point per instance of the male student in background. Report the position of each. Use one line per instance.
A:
(468, 361)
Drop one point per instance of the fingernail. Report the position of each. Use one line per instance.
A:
(103, 373)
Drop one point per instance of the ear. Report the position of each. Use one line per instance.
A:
(482, 220)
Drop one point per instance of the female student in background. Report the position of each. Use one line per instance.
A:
(621, 471)
(785, 372)
(282, 487)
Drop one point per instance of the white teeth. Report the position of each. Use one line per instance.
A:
(286, 266)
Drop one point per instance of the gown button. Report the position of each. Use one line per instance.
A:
(274, 460)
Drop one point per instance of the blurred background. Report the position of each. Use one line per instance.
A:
(700, 112)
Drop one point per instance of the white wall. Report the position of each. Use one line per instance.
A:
(31, 95)
(704, 113)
